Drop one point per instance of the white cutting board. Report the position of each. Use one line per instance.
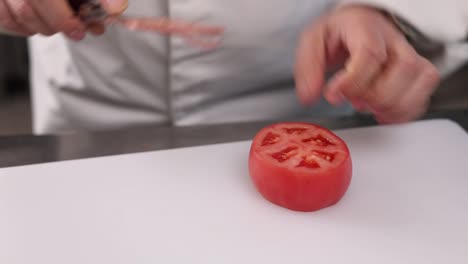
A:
(408, 203)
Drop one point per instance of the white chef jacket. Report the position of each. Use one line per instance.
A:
(132, 78)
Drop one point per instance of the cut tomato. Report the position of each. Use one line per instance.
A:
(300, 166)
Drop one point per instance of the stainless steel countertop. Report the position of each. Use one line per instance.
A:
(29, 149)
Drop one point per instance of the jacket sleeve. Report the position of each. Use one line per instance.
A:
(442, 21)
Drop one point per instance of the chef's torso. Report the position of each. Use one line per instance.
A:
(130, 78)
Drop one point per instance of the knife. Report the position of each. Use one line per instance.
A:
(203, 36)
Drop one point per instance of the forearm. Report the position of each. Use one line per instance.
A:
(442, 21)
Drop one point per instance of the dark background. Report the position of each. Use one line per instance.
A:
(15, 112)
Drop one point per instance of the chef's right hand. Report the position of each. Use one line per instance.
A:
(48, 17)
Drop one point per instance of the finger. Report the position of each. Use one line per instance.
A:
(416, 101)
(311, 64)
(96, 29)
(115, 7)
(8, 22)
(403, 66)
(336, 54)
(59, 16)
(368, 54)
(333, 92)
(25, 15)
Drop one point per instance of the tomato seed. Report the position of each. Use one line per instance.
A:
(270, 139)
(325, 155)
(320, 140)
(285, 154)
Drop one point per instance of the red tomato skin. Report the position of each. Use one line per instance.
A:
(299, 190)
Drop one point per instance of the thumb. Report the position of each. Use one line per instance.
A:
(310, 65)
(115, 7)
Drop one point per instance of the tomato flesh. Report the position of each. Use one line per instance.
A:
(320, 140)
(300, 166)
(270, 139)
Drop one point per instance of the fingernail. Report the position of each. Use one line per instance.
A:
(76, 35)
(115, 6)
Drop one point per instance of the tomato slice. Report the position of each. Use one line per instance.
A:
(300, 166)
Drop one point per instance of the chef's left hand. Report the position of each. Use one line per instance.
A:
(382, 73)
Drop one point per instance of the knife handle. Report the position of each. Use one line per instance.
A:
(88, 10)
(75, 4)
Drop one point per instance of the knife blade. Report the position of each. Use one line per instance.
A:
(203, 36)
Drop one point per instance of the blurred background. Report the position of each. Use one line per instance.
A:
(15, 111)
(15, 106)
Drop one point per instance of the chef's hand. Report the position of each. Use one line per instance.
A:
(381, 72)
(48, 17)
